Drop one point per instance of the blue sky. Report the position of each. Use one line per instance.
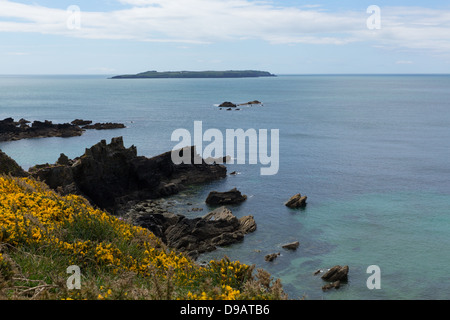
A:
(296, 37)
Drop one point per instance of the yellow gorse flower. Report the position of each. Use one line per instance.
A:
(33, 215)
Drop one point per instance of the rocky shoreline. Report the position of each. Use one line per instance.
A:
(192, 236)
(114, 178)
(135, 188)
(11, 130)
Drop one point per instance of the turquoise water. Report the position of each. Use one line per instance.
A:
(370, 152)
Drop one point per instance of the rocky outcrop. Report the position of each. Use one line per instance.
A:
(251, 103)
(233, 196)
(104, 126)
(110, 175)
(291, 246)
(198, 235)
(87, 125)
(11, 130)
(336, 285)
(271, 257)
(334, 276)
(297, 201)
(80, 122)
(337, 273)
(227, 104)
(10, 167)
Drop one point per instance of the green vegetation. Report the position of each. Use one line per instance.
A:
(197, 74)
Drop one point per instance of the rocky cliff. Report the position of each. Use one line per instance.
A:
(110, 175)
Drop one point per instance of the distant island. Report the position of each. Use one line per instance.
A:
(196, 74)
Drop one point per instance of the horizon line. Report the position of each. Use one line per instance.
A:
(277, 74)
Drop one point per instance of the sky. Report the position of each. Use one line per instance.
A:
(283, 37)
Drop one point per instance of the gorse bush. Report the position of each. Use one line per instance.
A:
(42, 233)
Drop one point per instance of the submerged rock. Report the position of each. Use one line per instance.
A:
(336, 285)
(80, 122)
(291, 246)
(227, 104)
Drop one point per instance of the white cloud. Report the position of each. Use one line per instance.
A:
(207, 21)
(17, 53)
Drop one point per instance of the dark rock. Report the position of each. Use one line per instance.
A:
(10, 130)
(271, 257)
(63, 160)
(195, 236)
(227, 104)
(250, 103)
(233, 196)
(291, 246)
(336, 285)
(104, 126)
(23, 121)
(10, 167)
(296, 201)
(80, 122)
(336, 273)
(110, 175)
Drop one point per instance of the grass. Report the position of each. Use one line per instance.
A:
(43, 233)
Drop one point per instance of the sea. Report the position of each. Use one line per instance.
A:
(371, 153)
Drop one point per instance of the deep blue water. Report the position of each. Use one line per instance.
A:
(370, 152)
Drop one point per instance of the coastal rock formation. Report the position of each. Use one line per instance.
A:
(291, 246)
(198, 235)
(110, 175)
(80, 122)
(296, 201)
(271, 257)
(227, 104)
(233, 196)
(104, 126)
(9, 166)
(11, 130)
(336, 273)
(196, 74)
(336, 285)
(251, 103)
